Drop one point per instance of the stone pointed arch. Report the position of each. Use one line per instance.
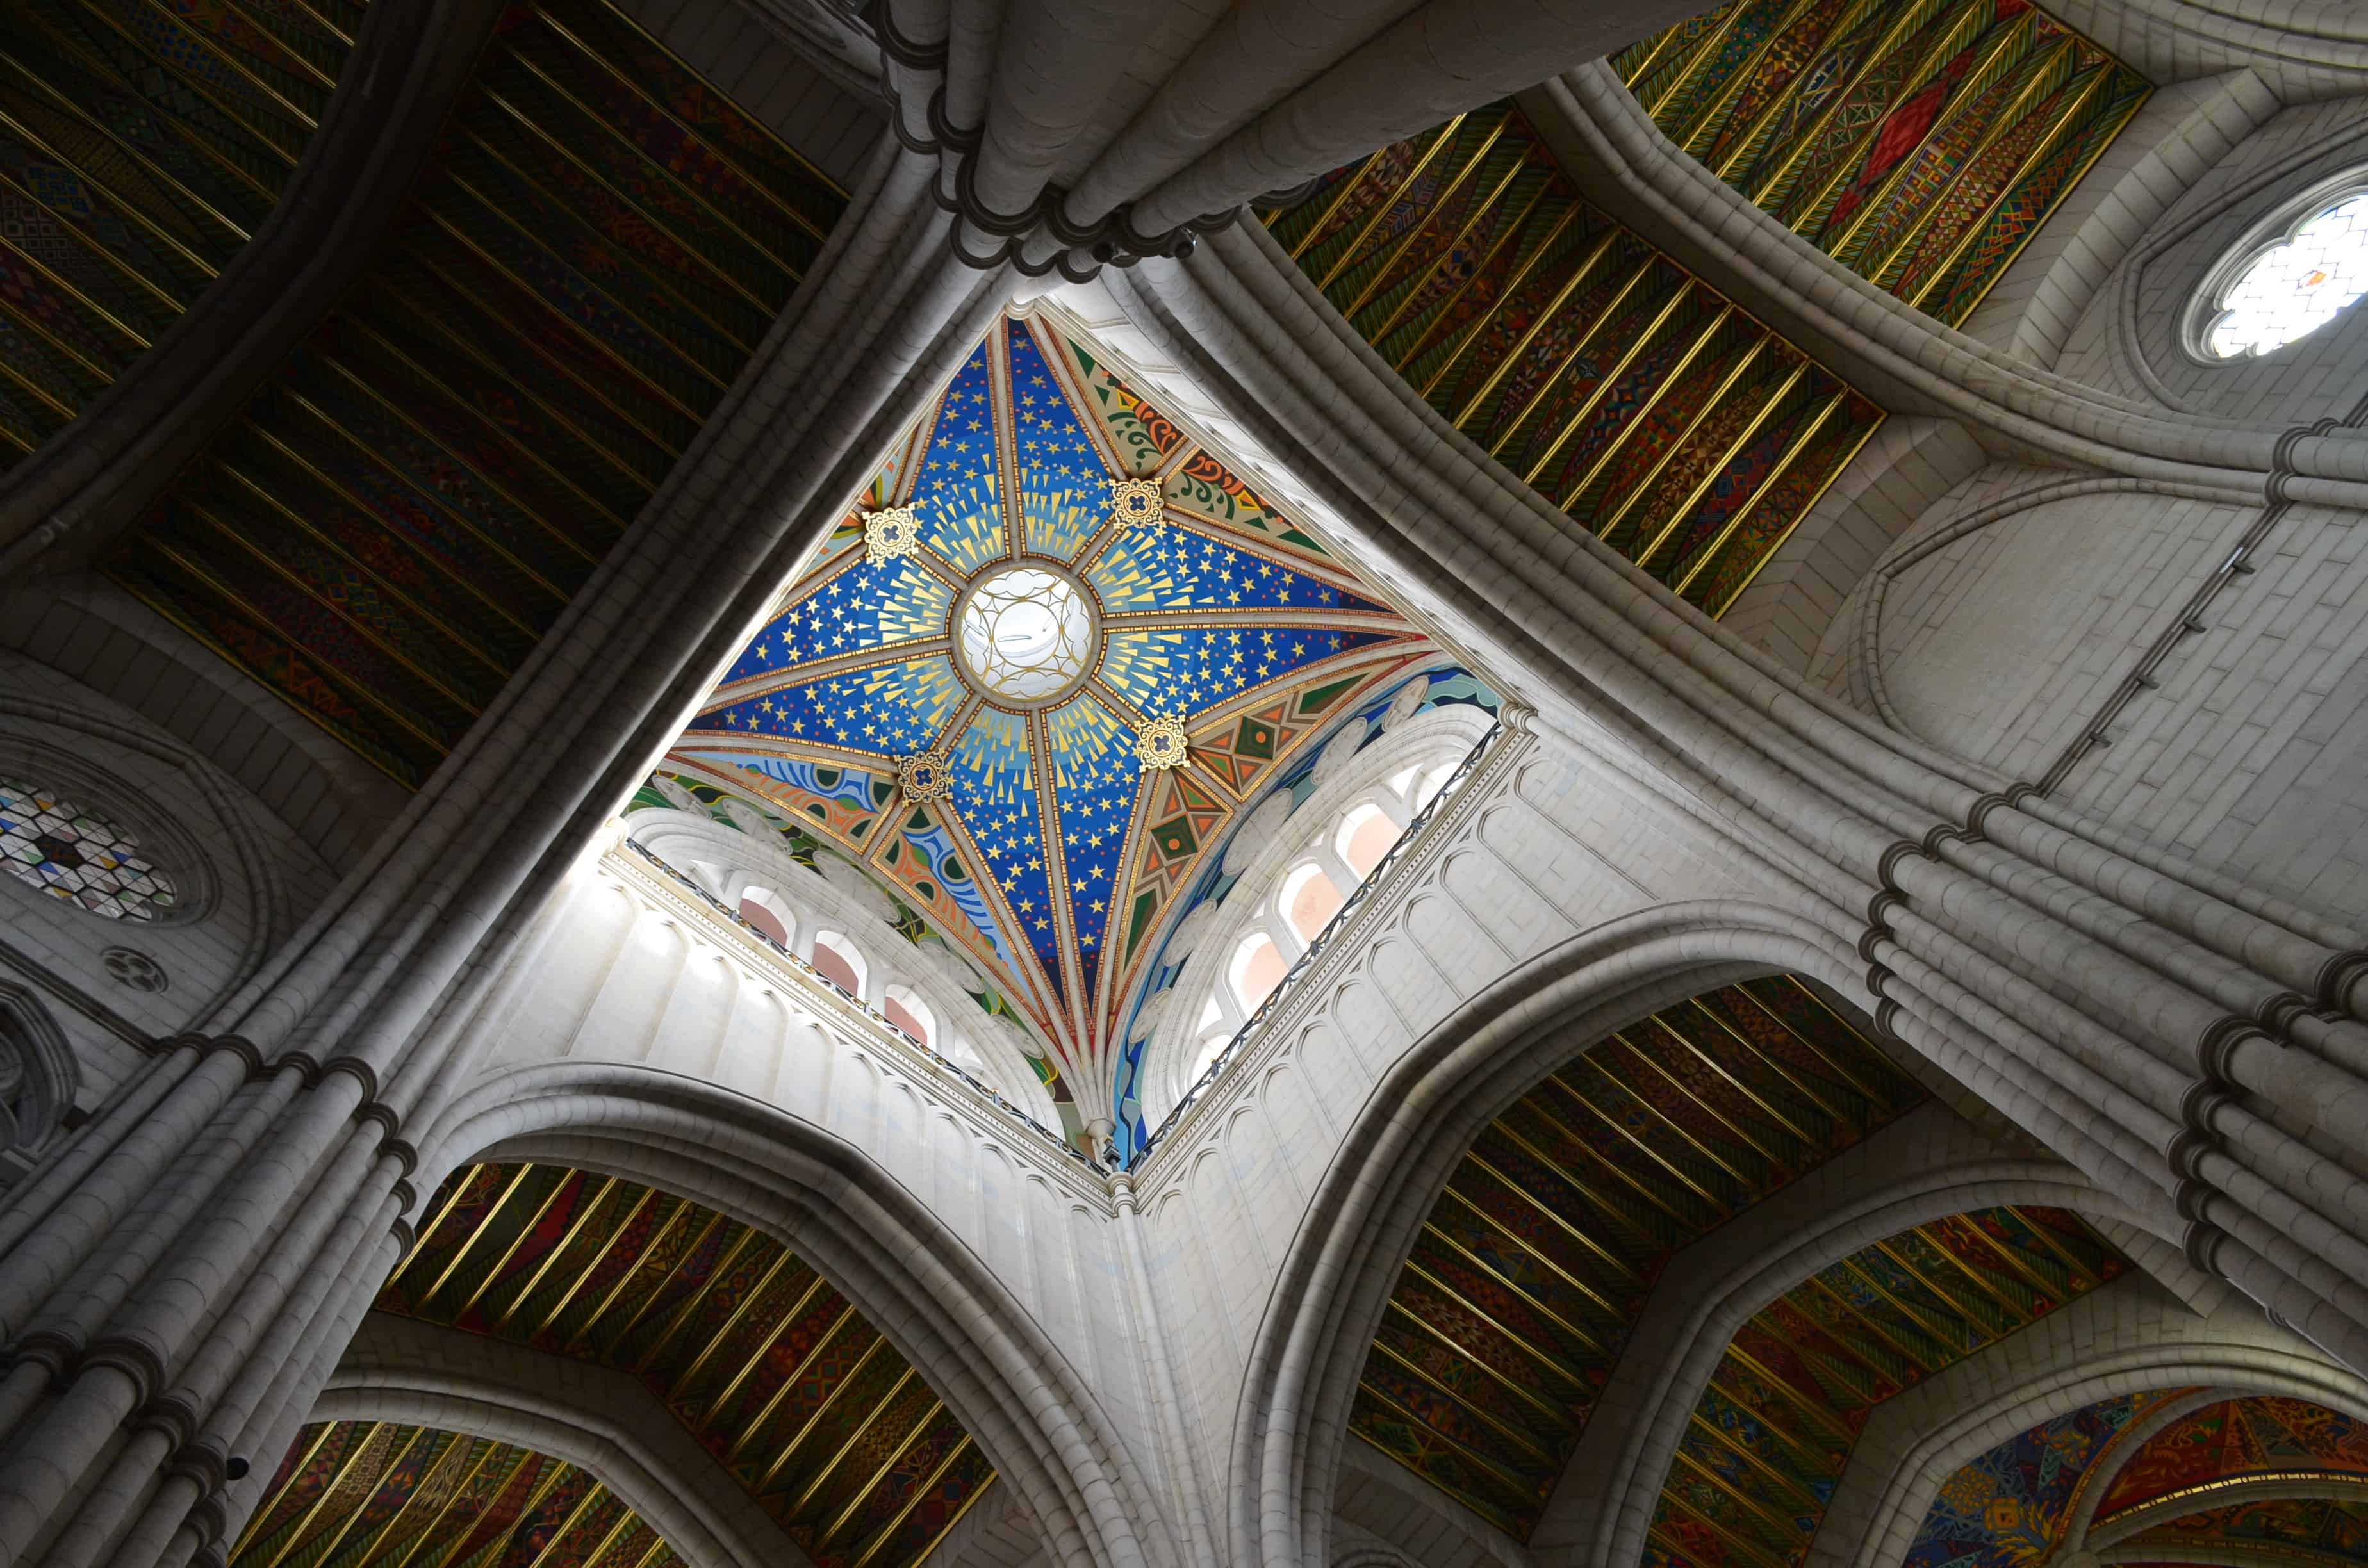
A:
(596, 1419)
(1345, 1256)
(1015, 1391)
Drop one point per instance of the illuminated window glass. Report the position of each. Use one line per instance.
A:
(1310, 900)
(1026, 634)
(839, 962)
(78, 856)
(1258, 969)
(2286, 289)
(1366, 834)
(908, 1012)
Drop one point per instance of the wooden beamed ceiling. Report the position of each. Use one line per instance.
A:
(807, 1405)
(365, 1493)
(596, 246)
(1620, 388)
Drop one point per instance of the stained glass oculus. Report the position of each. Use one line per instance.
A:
(79, 856)
(2284, 291)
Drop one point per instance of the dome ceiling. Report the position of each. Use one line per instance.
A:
(1039, 667)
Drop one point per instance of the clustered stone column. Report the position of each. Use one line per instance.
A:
(2193, 1047)
(176, 1281)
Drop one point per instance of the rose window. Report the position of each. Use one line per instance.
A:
(78, 856)
(2289, 288)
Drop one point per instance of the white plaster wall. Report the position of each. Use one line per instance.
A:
(1548, 847)
(612, 974)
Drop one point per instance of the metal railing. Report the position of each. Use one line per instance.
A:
(806, 971)
(1365, 892)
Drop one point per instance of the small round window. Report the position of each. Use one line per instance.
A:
(78, 856)
(2289, 278)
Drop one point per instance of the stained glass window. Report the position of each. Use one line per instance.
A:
(79, 856)
(2288, 289)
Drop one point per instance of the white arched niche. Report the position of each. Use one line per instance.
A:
(745, 864)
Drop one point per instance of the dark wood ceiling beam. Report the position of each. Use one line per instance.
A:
(91, 480)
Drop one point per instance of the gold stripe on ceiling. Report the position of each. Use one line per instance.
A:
(1709, 1107)
(85, 243)
(1732, 454)
(758, 1422)
(1633, 1180)
(1481, 208)
(813, 1421)
(1666, 1021)
(1611, 316)
(203, 39)
(1809, 1042)
(100, 70)
(590, 1267)
(244, 543)
(829, 1468)
(1522, 1195)
(1665, 385)
(1578, 1331)
(1709, 115)
(1650, 480)
(196, 86)
(1571, 213)
(1478, 1412)
(1607, 381)
(722, 153)
(656, 279)
(576, 1228)
(1441, 314)
(684, 189)
(1675, 1172)
(368, 389)
(1745, 1047)
(1394, 1309)
(1391, 258)
(1594, 1192)
(409, 311)
(1512, 358)
(1801, 451)
(1596, 1059)
(1770, 190)
(783, 1258)
(675, 1219)
(1809, 218)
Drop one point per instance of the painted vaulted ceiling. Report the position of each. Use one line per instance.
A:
(1920, 146)
(2167, 1476)
(352, 1493)
(597, 242)
(1525, 1284)
(1768, 1440)
(807, 1405)
(1622, 388)
(141, 146)
(1040, 667)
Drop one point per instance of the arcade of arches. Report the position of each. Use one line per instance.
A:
(1413, 784)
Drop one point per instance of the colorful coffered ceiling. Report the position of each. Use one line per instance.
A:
(1920, 146)
(808, 1406)
(2167, 1476)
(357, 1492)
(1630, 395)
(595, 246)
(141, 146)
(1040, 667)
(1526, 1281)
(1768, 1441)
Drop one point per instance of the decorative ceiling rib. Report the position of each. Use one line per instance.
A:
(596, 246)
(1038, 770)
(2209, 1468)
(1920, 146)
(792, 1390)
(1526, 1281)
(141, 146)
(352, 1493)
(1768, 1442)
(1631, 395)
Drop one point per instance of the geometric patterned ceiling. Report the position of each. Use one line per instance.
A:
(2010, 1507)
(978, 687)
(1921, 145)
(1624, 391)
(1525, 1283)
(139, 146)
(586, 260)
(1768, 1440)
(807, 1405)
(357, 1493)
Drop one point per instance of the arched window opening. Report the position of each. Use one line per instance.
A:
(964, 1054)
(79, 856)
(1257, 969)
(1211, 1045)
(1310, 900)
(908, 1012)
(1433, 781)
(2280, 287)
(1366, 834)
(1402, 783)
(839, 960)
(763, 908)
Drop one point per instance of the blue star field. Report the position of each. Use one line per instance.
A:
(1034, 845)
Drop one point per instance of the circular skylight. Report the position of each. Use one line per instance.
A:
(1026, 634)
(2267, 295)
